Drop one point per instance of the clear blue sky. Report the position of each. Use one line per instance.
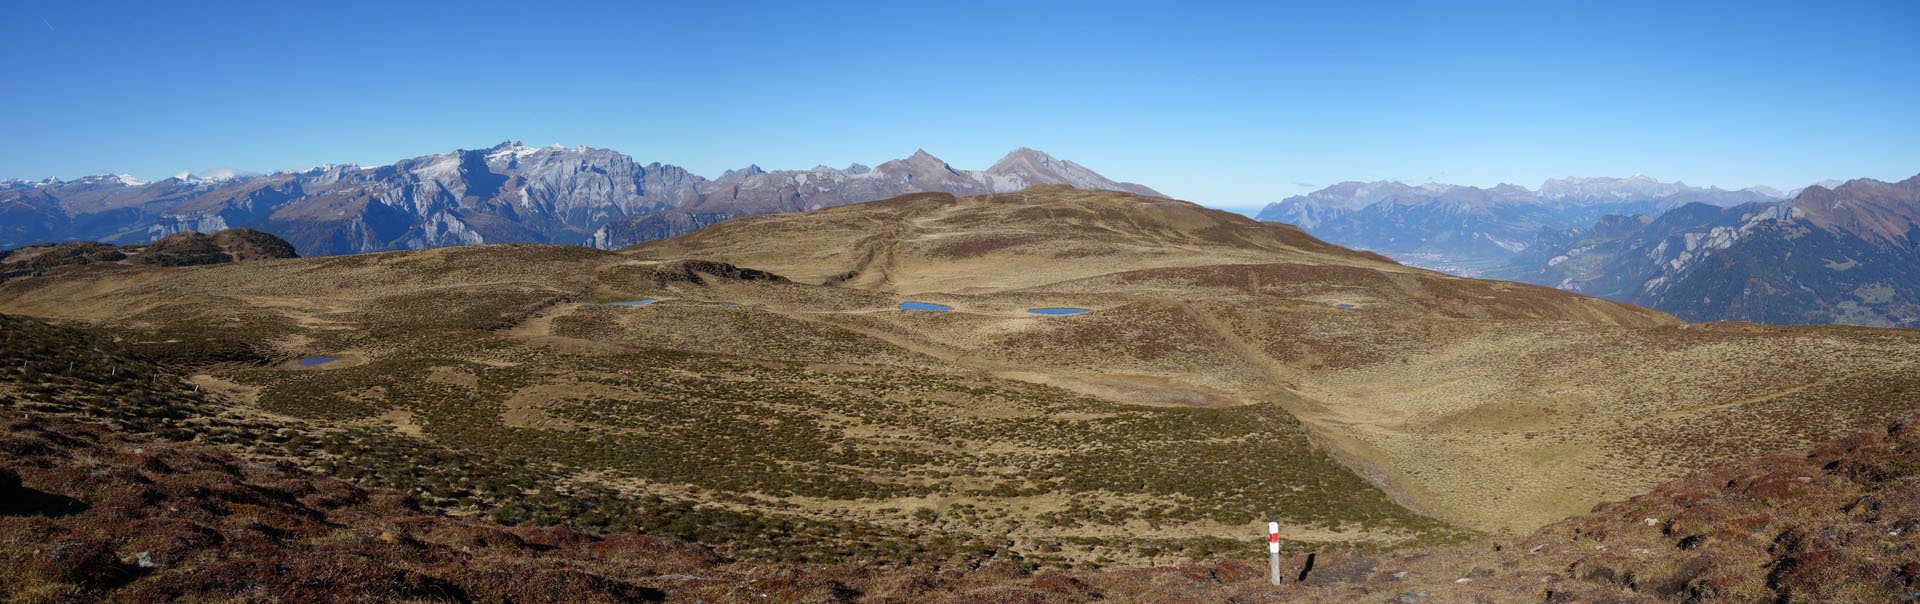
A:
(1228, 104)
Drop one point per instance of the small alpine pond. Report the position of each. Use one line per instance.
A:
(1057, 311)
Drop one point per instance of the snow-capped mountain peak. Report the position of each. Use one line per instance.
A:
(509, 150)
(213, 176)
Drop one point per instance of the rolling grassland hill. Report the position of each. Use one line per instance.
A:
(1496, 405)
(937, 242)
(760, 372)
(491, 380)
(179, 249)
(114, 486)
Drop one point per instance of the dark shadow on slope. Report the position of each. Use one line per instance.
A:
(17, 500)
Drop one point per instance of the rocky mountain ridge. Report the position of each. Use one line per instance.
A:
(1843, 254)
(506, 193)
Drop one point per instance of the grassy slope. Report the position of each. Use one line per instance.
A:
(1495, 405)
(1484, 403)
(778, 424)
(99, 503)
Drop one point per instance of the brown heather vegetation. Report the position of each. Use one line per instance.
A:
(780, 423)
(1830, 524)
(99, 501)
(88, 514)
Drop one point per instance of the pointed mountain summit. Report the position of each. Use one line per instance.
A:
(922, 172)
(1024, 167)
(741, 174)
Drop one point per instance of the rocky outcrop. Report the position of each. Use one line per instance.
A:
(179, 249)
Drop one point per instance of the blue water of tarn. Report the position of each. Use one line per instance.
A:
(1343, 306)
(627, 303)
(311, 361)
(923, 306)
(1057, 311)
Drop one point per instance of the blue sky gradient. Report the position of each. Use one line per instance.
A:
(1227, 104)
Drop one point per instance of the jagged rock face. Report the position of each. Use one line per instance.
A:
(1840, 255)
(1446, 226)
(507, 193)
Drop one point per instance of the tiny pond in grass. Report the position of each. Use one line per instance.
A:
(627, 303)
(923, 306)
(1343, 306)
(311, 361)
(1057, 311)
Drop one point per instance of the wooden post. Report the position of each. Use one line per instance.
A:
(1273, 549)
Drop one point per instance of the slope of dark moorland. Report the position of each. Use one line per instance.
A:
(102, 502)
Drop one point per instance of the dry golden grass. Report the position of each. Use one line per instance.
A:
(1490, 405)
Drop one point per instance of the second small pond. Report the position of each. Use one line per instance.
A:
(1057, 311)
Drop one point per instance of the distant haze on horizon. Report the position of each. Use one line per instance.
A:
(1229, 105)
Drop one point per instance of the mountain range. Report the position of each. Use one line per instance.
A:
(1829, 253)
(1833, 252)
(1842, 254)
(508, 193)
(1450, 226)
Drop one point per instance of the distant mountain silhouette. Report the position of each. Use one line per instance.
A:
(503, 194)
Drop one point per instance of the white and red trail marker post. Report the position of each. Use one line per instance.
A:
(1273, 549)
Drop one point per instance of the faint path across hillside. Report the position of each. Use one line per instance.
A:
(1755, 399)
